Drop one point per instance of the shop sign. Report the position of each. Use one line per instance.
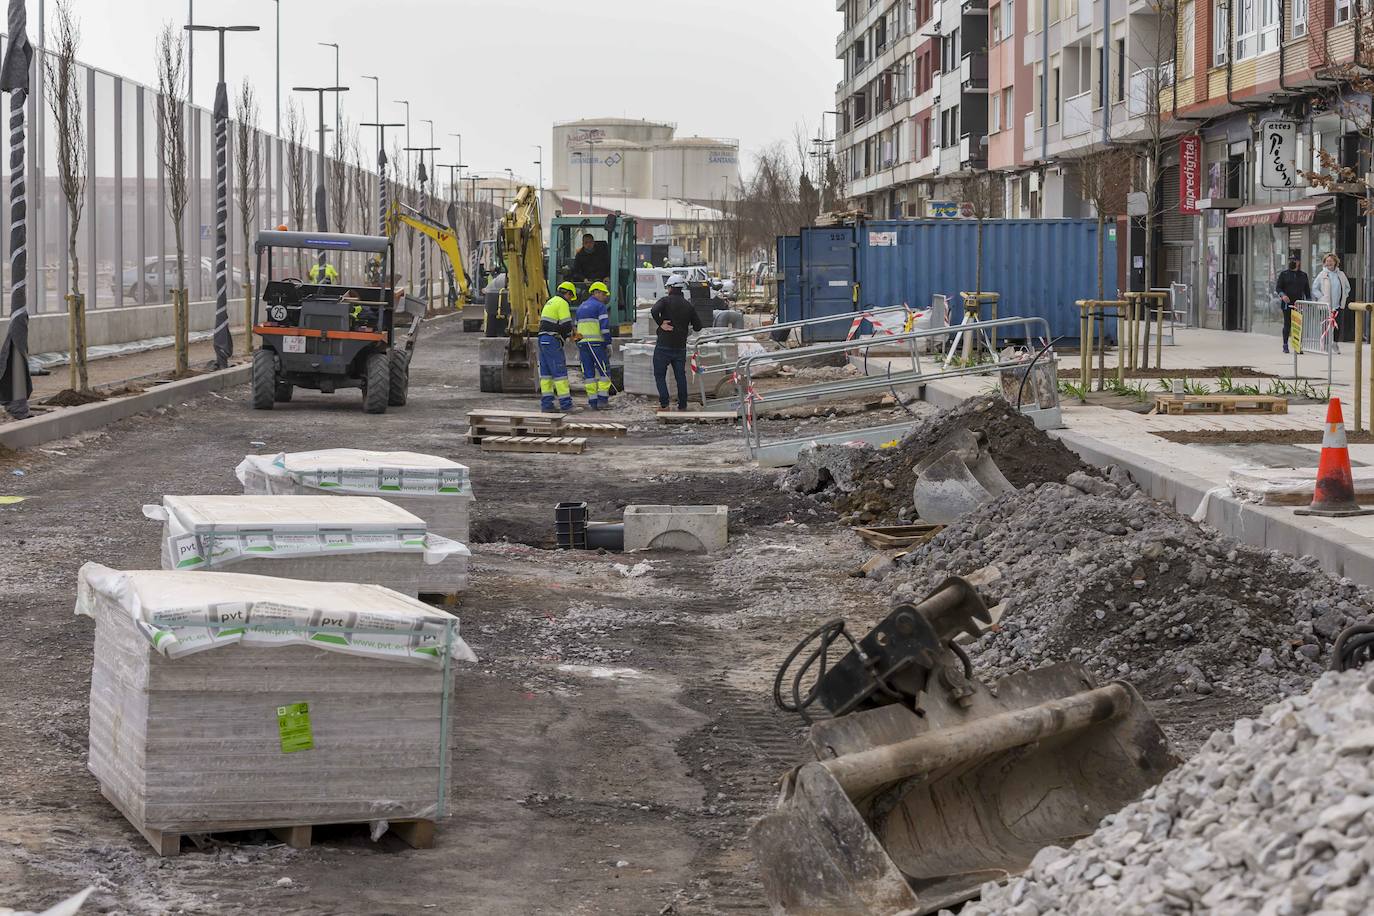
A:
(1278, 151)
(1189, 174)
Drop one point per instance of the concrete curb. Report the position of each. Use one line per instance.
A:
(70, 421)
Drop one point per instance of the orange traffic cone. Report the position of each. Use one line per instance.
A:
(1334, 495)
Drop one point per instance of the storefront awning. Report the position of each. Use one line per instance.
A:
(1254, 215)
(1304, 212)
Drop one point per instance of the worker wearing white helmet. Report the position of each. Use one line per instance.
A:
(676, 317)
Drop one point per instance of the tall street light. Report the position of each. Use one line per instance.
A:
(406, 103)
(321, 195)
(338, 122)
(278, 3)
(223, 340)
(460, 149)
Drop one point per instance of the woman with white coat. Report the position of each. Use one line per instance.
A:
(1332, 287)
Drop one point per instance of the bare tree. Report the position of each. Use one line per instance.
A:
(296, 178)
(362, 186)
(982, 191)
(1158, 76)
(770, 202)
(1104, 175)
(338, 176)
(63, 85)
(171, 145)
(248, 170)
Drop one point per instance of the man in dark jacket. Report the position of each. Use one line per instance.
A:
(675, 316)
(1292, 287)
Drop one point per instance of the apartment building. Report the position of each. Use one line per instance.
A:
(935, 90)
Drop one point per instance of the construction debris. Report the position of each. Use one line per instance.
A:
(1272, 816)
(1097, 572)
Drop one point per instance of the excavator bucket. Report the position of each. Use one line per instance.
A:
(928, 783)
(955, 477)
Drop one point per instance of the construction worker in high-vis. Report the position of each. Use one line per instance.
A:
(330, 275)
(555, 326)
(592, 336)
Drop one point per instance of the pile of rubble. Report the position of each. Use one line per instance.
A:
(1274, 816)
(1097, 572)
(875, 485)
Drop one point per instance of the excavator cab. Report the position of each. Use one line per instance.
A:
(612, 251)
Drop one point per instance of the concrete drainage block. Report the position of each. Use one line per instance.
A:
(701, 529)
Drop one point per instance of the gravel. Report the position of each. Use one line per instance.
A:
(1273, 816)
(1097, 572)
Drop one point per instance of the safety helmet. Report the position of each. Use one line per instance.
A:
(598, 287)
(675, 282)
(567, 286)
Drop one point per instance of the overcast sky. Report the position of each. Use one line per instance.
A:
(501, 72)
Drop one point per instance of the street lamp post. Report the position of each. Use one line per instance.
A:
(540, 162)
(338, 122)
(406, 103)
(383, 202)
(278, 3)
(223, 340)
(321, 194)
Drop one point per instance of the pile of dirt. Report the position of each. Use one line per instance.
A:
(70, 397)
(880, 489)
(1273, 816)
(1097, 572)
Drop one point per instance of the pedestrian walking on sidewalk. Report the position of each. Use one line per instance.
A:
(676, 317)
(1333, 288)
(1293, 286)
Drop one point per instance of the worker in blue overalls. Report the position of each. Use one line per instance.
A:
(555, 326)
(593, 336)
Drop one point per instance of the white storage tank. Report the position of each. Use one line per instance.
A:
(702, 169)
(569, 137)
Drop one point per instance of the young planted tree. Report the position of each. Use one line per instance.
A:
(248, 171)
(338, 178)
(171, 148)
(982, 191)
(362, 187)
(296, 178)
(1104, 174)
(1162, 51)
(63, 85)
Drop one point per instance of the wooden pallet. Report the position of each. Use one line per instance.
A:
(484, 423)
(610, 430)
(1219, 403)
(697, 416)
(476, 434)
(562, 445)
(417, 833)
(890, 536)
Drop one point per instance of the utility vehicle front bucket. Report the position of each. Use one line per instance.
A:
(908, 812)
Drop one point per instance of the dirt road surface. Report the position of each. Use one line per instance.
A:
(612, 744)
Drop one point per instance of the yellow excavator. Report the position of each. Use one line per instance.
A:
(401, 215)
(508, 354)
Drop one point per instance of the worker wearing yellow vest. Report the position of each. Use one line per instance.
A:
(331, 276)
(593, 335)
(555, 326)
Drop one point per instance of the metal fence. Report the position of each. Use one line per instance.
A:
(125, 233)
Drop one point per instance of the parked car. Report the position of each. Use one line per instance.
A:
(156, 266)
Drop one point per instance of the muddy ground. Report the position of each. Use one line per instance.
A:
(576, 787)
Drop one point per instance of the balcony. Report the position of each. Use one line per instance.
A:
(1078, 114)
(972, 153)
(973, 6)
(1146, 85)
(1032, 130)
(973, 72)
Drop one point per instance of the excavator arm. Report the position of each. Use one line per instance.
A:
(523, 246)
(443, 236)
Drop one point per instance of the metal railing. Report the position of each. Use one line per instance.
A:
(1033, 328)
(1317, 333)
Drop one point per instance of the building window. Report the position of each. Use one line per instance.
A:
(1245, 29)
(994, 117)
(1268, 25)
(1299, 18)
(1054, 95)
(1343, 8)
(995, 24)
(1008, 18)
(1220, 28)
(1121, 69)
(1185, 47)
(1008, 109)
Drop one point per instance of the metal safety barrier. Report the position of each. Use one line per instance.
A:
(750, 402)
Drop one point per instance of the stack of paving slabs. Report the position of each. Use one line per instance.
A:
(225, 702)
(436, 489)
(322, 538)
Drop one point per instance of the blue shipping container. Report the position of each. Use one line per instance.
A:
(789, 278)
(1039, 267)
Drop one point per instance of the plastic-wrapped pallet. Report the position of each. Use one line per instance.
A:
(436, 489)
(321, 538)
(227, 702)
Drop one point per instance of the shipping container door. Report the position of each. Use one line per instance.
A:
(789, 278)
(828, 278)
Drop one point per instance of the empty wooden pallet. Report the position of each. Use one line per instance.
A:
(1219, 403)
(896, 536)
(483, 424)
(561, 445)
(610, 430)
